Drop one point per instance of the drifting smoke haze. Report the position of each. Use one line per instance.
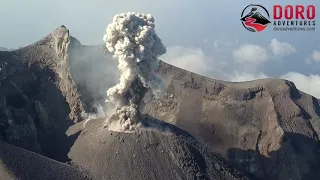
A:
(132, 40)
(93, 72)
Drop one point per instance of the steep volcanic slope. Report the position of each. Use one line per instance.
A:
(18, 163)
(265, 127)
(51, 56)
(38, 98)
(159, 152)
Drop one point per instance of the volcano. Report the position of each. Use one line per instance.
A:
(255, 20)
(259, 18)
(202, 128)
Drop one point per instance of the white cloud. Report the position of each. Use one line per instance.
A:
(308, 84)
(195, 60)
(250, 54)
(316, 56)
(281, 48)
(191, 59)
(245, 76)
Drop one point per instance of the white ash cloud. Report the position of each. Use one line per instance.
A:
(132, 40)
(125, 119)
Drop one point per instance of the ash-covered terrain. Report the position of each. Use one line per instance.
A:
(55, 124)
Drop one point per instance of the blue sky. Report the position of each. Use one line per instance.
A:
(203, 36)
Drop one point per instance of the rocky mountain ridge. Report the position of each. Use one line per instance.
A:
(266, 129)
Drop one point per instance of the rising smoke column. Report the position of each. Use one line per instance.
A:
(132, 40)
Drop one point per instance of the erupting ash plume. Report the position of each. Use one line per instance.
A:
(132, 40)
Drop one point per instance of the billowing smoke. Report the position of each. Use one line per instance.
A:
(132, 40)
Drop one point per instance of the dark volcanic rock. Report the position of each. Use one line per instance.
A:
(49, 58)
(266, 128)
(38, 98)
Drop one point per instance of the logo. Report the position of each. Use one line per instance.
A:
(296, 12)
(294, 18)
(255, 18)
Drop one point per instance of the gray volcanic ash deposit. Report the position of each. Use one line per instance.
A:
(158, 151)
(18, 163)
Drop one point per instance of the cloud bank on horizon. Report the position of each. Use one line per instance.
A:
(247, 62)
